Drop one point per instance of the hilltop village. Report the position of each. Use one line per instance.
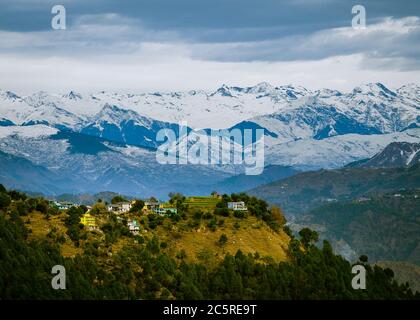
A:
(129, 211)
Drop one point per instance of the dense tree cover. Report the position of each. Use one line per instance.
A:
(147, 272)
(4, 200)
(256, 207)
(98, 208)
(308, 190)
(178, 200)
(308, 237)
(117, 199)
(137, 206)
(385, 227)
(113, 230)
(73, 224)
(150, 274)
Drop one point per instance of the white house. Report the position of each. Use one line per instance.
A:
(120, 207)
(133, 226)
(237, 206)
(162, 210)
(63, 205)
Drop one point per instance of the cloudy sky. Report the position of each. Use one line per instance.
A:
(169, 45)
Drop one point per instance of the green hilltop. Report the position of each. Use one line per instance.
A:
(204, 251)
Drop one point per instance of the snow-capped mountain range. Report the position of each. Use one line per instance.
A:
(303, 128)
(373, 106)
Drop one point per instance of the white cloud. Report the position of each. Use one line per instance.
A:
(178, 72)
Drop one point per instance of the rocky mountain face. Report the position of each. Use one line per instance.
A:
(54, 162)
(396, 154)
(107, 141)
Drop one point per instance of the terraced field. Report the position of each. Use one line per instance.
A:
(203, 203)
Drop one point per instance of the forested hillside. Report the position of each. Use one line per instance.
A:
(111, 263)
(384, 227)
(305, 191)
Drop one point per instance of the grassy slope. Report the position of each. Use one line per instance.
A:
(199, 243)
(252, 236)
(40, 227)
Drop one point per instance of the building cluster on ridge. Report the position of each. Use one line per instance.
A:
(149, 207)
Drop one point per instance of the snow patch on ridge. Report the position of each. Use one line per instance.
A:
(35, 131)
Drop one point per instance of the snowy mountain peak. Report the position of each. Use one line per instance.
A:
(410, 87)
(375, 89)
(262, 87)
(224, 91)
(8, 95)
(396, 154)
(411, 91)
(112, 113)
(370, 108)
(107, 108)
(72, 95)
(325, 93)
(40, 98)
(292, 92)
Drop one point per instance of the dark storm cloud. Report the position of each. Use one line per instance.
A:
(212, 20)
(217, 30)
